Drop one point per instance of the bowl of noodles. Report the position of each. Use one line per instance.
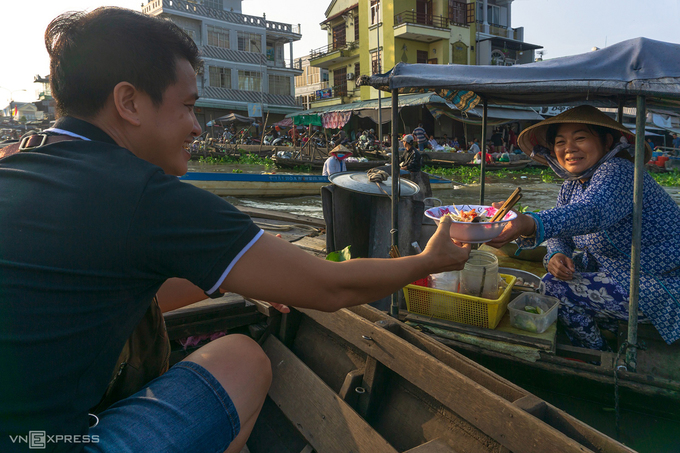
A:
(470, 222)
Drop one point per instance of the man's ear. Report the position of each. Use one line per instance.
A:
(126, 99)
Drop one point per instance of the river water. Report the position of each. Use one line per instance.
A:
(644, 432)
(535, 193)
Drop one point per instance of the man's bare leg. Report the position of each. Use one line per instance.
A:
(244, 370)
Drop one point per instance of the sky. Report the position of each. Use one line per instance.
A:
(562, 27)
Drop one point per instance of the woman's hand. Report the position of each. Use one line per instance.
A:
(561, 266)
(523, 225)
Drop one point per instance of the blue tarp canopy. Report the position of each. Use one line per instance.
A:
(602, 78)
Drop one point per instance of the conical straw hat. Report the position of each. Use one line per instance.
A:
(341, 149)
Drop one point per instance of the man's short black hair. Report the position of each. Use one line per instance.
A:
(90, 53)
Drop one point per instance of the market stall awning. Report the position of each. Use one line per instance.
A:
(409, 100)
(233, 117)
(495, 115)
(604, 77)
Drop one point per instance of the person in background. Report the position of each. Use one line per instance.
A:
(512, 141)
(294, 135)
(411, 159)
(474, 146)
(651, 144)
(336, 162)
(676, 144)
(497, 138)
(79, 271)
(371, 136)
(455, 143)
(420, 137)
(478, 158)
(594, 214)
(446, 141)
(434, 145)
(340, 138)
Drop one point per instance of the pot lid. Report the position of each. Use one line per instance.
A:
(357, 181)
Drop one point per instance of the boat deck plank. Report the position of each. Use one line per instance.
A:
(495, 416)
(327, 422)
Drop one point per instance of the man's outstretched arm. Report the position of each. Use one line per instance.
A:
(277, 271)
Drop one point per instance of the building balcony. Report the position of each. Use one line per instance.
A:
(332, 54)
(279, 28)
(295, 66)
(421, 27)
(184, 8)
(501, 30)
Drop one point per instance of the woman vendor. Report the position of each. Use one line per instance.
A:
(594, 215)
(336, 162)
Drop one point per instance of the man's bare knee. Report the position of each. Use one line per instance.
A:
(235, 357)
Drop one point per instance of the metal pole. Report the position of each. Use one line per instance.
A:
(394, 308)
(631, 352)
(619, 112)
(483, 174)
(379, 93)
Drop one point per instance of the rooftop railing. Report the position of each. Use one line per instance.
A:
(412, 17)
(502, 30)
(325, 50)
(227, 16)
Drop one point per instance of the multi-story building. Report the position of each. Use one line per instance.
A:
(496, 41)
(372, 36)
(243, 56)
(45, 102)
(312, 84)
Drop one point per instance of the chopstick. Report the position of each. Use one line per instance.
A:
(508, 205)
(394, 252)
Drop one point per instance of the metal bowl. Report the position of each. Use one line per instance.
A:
(527, 279)
(475, 233)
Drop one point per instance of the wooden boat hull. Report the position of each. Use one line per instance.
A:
(271, 185)
(283, 162)
(254, 185)
(357, 380)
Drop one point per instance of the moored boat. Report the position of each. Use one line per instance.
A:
(271, 185)
(256, 185)
(317, 164)
(649, 370)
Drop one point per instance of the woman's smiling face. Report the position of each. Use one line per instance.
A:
(578, 148)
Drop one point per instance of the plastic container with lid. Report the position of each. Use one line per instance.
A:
(446, 281)
(479, 278)
(533, 322)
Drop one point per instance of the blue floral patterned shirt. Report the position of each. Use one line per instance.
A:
(596, 217)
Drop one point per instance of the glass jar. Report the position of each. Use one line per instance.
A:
(479, 278)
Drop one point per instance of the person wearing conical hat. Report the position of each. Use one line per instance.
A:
(336, 162)
(594, 214)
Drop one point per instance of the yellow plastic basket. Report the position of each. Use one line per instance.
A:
(456, 307)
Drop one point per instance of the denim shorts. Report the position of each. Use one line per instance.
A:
(185, 410)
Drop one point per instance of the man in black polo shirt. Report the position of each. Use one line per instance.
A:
(94, 227)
